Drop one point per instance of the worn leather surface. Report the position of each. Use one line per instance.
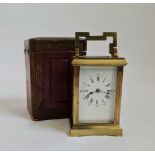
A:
(49, 76)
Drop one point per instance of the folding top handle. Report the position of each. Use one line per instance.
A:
(85, 35)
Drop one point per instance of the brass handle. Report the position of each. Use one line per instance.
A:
(112, 46)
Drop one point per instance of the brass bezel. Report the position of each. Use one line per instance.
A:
(83, 129)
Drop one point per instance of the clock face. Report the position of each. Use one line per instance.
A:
(97, 90)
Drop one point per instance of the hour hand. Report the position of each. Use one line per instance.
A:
(87, 96)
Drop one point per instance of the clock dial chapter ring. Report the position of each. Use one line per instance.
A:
(96, 91)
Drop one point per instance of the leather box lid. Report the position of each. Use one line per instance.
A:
(43, 44)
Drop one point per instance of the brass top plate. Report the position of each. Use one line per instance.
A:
(100, 61)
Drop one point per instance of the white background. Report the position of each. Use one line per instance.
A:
(135, 25)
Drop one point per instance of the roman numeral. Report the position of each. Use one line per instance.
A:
(85, 90)
(98, 77)
(97, 103)
(87, 96)
(103, 80)
(109, 91)
(91, 101)
(107, 85)
(103, 101)
(91, 79)
(86, 84)
(107, 96)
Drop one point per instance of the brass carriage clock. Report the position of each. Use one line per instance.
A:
(97, 89)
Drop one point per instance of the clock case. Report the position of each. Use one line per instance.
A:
(86, 129)
(49, 76)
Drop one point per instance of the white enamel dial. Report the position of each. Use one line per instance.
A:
(97, 90)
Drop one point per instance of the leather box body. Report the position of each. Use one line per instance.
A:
(49, 76)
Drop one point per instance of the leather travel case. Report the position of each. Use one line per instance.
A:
(49, 76)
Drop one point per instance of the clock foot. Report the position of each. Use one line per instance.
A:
(108, 130)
